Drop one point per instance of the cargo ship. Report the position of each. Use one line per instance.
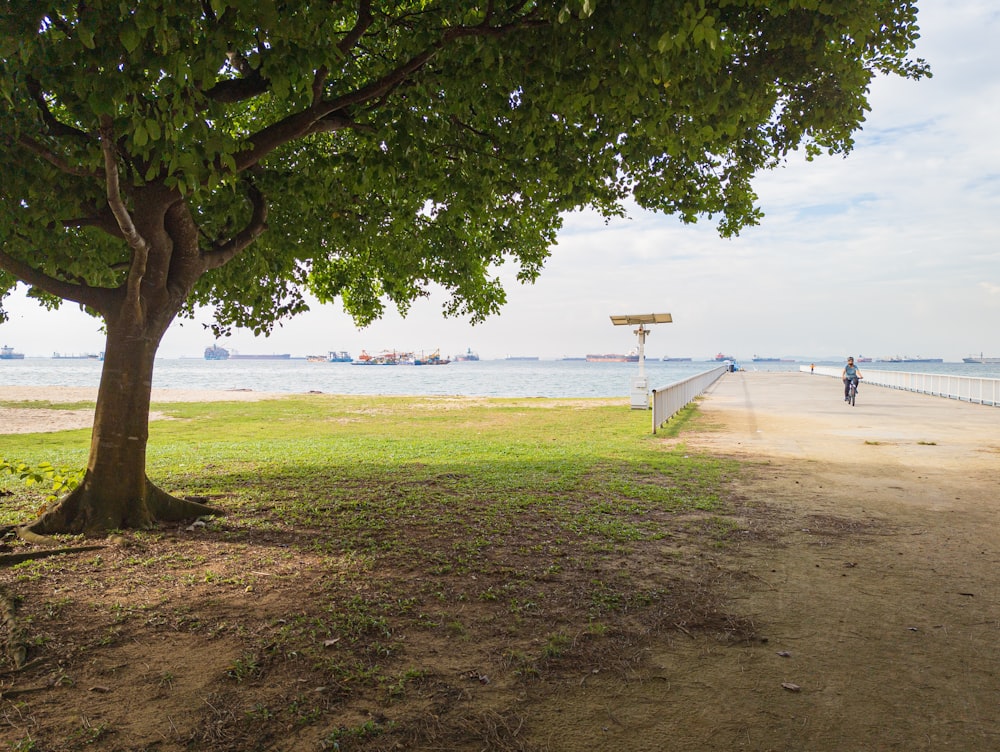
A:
(468, 355)
(981, 360)
(613, 358)
(7, 353)
(216, 353)
(233, 355)
(668, 359)
(333, 356)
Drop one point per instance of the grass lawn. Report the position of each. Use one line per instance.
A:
(388, 571)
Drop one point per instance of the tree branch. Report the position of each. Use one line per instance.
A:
(364, 22)
(78, 293)
(135, 240)
(223, 252)
(54, 159)
(56, 127)
(308, 121)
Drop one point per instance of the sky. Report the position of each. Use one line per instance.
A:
(891, 251)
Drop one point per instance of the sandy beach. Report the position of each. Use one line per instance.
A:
(30, 419)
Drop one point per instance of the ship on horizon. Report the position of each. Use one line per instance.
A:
(908, 359)
(468, 355)
(632, 357)
(981, 360)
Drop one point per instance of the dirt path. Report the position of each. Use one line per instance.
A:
(872, 585)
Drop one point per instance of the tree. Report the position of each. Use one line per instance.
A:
(162, 155)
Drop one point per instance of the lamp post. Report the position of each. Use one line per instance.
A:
(640, 385)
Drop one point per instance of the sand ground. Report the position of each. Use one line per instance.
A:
(28, 419)
(872, 585)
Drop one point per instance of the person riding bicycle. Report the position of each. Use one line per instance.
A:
(851, 374)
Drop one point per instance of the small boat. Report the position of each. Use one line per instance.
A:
(434, 359)
(216, 353)
(82, 356)
(7, 353)
(316, 358)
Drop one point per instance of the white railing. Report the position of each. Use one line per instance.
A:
(667, 402)
(965, 388)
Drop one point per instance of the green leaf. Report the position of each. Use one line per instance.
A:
(86, 36)
(129, 36)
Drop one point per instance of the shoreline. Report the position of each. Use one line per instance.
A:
(64, 394)
(47, 420)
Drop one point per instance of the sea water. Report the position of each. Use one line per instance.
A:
(484, 378)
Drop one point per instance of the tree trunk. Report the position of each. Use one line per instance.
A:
(115, 492)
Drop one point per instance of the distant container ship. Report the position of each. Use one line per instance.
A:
(720, 357)
(906, 359)
(980, 359)
(7, 353)
(521, 357)
(468, 355)
(216, 353)
(668, 359)
(81, 356)
(273, 356)
(613, 358)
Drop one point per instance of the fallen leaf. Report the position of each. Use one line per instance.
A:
(791, 687)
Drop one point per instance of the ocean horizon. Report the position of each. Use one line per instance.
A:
(484, 378)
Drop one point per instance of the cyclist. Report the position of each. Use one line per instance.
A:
(851, 373)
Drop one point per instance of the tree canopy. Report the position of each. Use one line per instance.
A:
(387, 146)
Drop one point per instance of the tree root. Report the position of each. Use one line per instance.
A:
(83, 511)
(7, 560)
(14, 644)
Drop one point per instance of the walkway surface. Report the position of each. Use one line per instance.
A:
(803, 416)
(868, 567)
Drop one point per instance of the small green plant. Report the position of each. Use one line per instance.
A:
(60, 480)
(244, 668)
(337, 738)
(27, 744)
(556, 645)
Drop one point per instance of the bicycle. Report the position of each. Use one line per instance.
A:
(852, 391)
